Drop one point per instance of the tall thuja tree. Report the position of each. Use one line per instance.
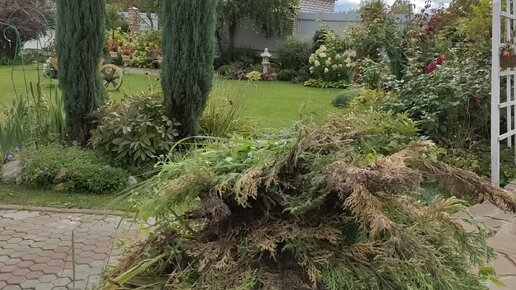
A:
(79, 44)
(188, 52)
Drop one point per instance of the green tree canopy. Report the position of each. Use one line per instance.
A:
(270, 16)
(32, 19)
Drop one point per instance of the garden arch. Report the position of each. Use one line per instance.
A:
(503, 82)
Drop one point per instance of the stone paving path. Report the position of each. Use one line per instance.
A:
(36, 248)
(503, 241)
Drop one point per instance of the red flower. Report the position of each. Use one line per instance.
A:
(440, 59)
(430, 67)
(506, 54)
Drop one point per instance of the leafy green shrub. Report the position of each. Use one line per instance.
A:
(343, 98)
(91, 178)
(254, 76)
(452, 102)
(226, 71)
(135, 130)
(374, 74)
(330, 65)
(293, 53)
(287, 75)
(71, 169)
(372, 100)
(318, 39)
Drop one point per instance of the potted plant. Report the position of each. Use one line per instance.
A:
(127, 51)
(113, 48)
(156, 53)
(507, 57)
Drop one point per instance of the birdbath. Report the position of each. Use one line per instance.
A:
(266, 61)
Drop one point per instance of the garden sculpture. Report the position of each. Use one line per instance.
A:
(111, 74)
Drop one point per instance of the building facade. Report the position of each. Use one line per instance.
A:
(319, 6)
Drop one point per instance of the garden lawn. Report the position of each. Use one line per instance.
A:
(16, 195)
(268, 104)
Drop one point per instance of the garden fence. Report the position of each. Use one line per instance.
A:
(307, 23)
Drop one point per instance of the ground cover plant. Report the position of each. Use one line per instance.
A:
(343, 205)
(70, 169)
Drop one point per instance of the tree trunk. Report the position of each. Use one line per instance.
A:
(7, 53)
(231, 36)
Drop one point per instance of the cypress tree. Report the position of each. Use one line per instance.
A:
(187, 66)
(79, 44)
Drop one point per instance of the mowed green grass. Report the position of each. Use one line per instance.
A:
(267, 105)
(16, 195)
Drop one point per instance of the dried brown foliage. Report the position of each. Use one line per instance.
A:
(306, 213)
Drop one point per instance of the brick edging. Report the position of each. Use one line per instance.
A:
(64, 210)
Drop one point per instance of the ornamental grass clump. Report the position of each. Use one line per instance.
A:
(335, 206)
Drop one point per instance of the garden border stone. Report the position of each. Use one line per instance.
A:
(65, 210)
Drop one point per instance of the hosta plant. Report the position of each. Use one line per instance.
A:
(254, 76)
(134, 131)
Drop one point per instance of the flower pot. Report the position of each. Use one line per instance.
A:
(126, 58)
(508, 62)
(113, 54)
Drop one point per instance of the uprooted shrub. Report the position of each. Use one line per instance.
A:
(337, 206)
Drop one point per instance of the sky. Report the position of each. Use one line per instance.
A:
(343, 5)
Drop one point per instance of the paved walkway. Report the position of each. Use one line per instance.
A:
(503, 242)
(141, 71)
(36, 249)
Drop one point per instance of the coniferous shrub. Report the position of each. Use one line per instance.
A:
(187, 66)
(79, 45)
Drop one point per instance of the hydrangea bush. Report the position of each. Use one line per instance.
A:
(330, 66)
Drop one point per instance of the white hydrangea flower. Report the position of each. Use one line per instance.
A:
(317, 63)
(353, 53)
(326, 70)
(322, 48)
(334, 67)
(322, 55)
(340, 65)
(347, 60)
(311, 59)
(338, 56)
(328, 62)
(348, 65)
(312, 69)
